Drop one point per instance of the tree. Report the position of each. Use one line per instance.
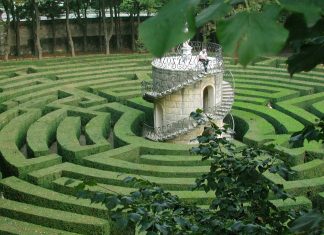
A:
(36, 26)
(107, 32)
(68, 30)
(80, 7)
(6, 6)
(51, 9)
(245, 32)
(134, 8)
(16, 9)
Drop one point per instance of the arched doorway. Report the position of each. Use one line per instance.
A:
(208, 97)
(158, 115)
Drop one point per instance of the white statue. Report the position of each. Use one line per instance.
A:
(186, 43)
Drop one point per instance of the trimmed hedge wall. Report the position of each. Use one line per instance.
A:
(47, 106)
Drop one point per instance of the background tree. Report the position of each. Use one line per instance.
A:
(6, 5)
(108, 33)
(68, 30)
(36, 27)
(80, 7)
(16, 9)
(52, 9)
(134, 9)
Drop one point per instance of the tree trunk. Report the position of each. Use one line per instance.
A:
(16, 21)
(68, 30)
(85, 29)
(138, 20)
(80, 21)
(111, 24)
(132, 31)
(138, 17)
(104, 25)
(117, 27)
(53, 34)
(39, 51)
(100, 30)
(7, 37)
(32, 35)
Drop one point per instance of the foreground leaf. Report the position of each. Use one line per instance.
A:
(309, 8)
(166, 30)
(249, 35)
(215, 11)
(311, 54)
(312, 221)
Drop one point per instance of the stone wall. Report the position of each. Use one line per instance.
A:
(26, 39)
(180, 104)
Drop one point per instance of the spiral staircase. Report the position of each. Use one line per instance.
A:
(154, 90)
(186, 125)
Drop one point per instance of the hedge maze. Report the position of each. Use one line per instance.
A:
(64, 120)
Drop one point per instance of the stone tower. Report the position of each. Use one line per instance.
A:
(180, 85)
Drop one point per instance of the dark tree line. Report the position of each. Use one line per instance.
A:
(108, 14)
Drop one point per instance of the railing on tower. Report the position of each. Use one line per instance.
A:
(174, 63)
(189, 62)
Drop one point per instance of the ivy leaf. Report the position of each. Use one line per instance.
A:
(311, 221)
(134, 217)
(181, 221)
(145, 225)
(249, 35)
(121, 220)
(311, 54)
(162, 229)
(309, 8)
(98, 197)
(215, 11)
(112, 202)
(168, 27)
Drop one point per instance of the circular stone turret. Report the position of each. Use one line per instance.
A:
(181, 84)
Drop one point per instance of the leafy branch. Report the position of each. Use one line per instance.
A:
(244, 34)
(240, 204)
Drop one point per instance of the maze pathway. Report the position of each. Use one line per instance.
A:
(63, 120)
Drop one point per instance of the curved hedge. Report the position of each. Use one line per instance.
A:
(64, 120)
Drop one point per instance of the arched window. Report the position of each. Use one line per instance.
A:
(158, 115)
(208, 97)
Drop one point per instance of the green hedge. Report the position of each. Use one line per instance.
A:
(317, 108)
(303, 187)
(308, 170)
(281, 122)
(57, 219)
(43, 132)
(12, 137)
(22, 191)
(44, 177)
(68, 145)
(10, 226)
(97, 129)
(296, 107)
(252, 128)
(199, 197)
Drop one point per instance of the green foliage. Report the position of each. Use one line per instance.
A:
(310, 132)
(310, 223)
(246, 29)
(249, 35)
(241, 203)
(168, 28)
